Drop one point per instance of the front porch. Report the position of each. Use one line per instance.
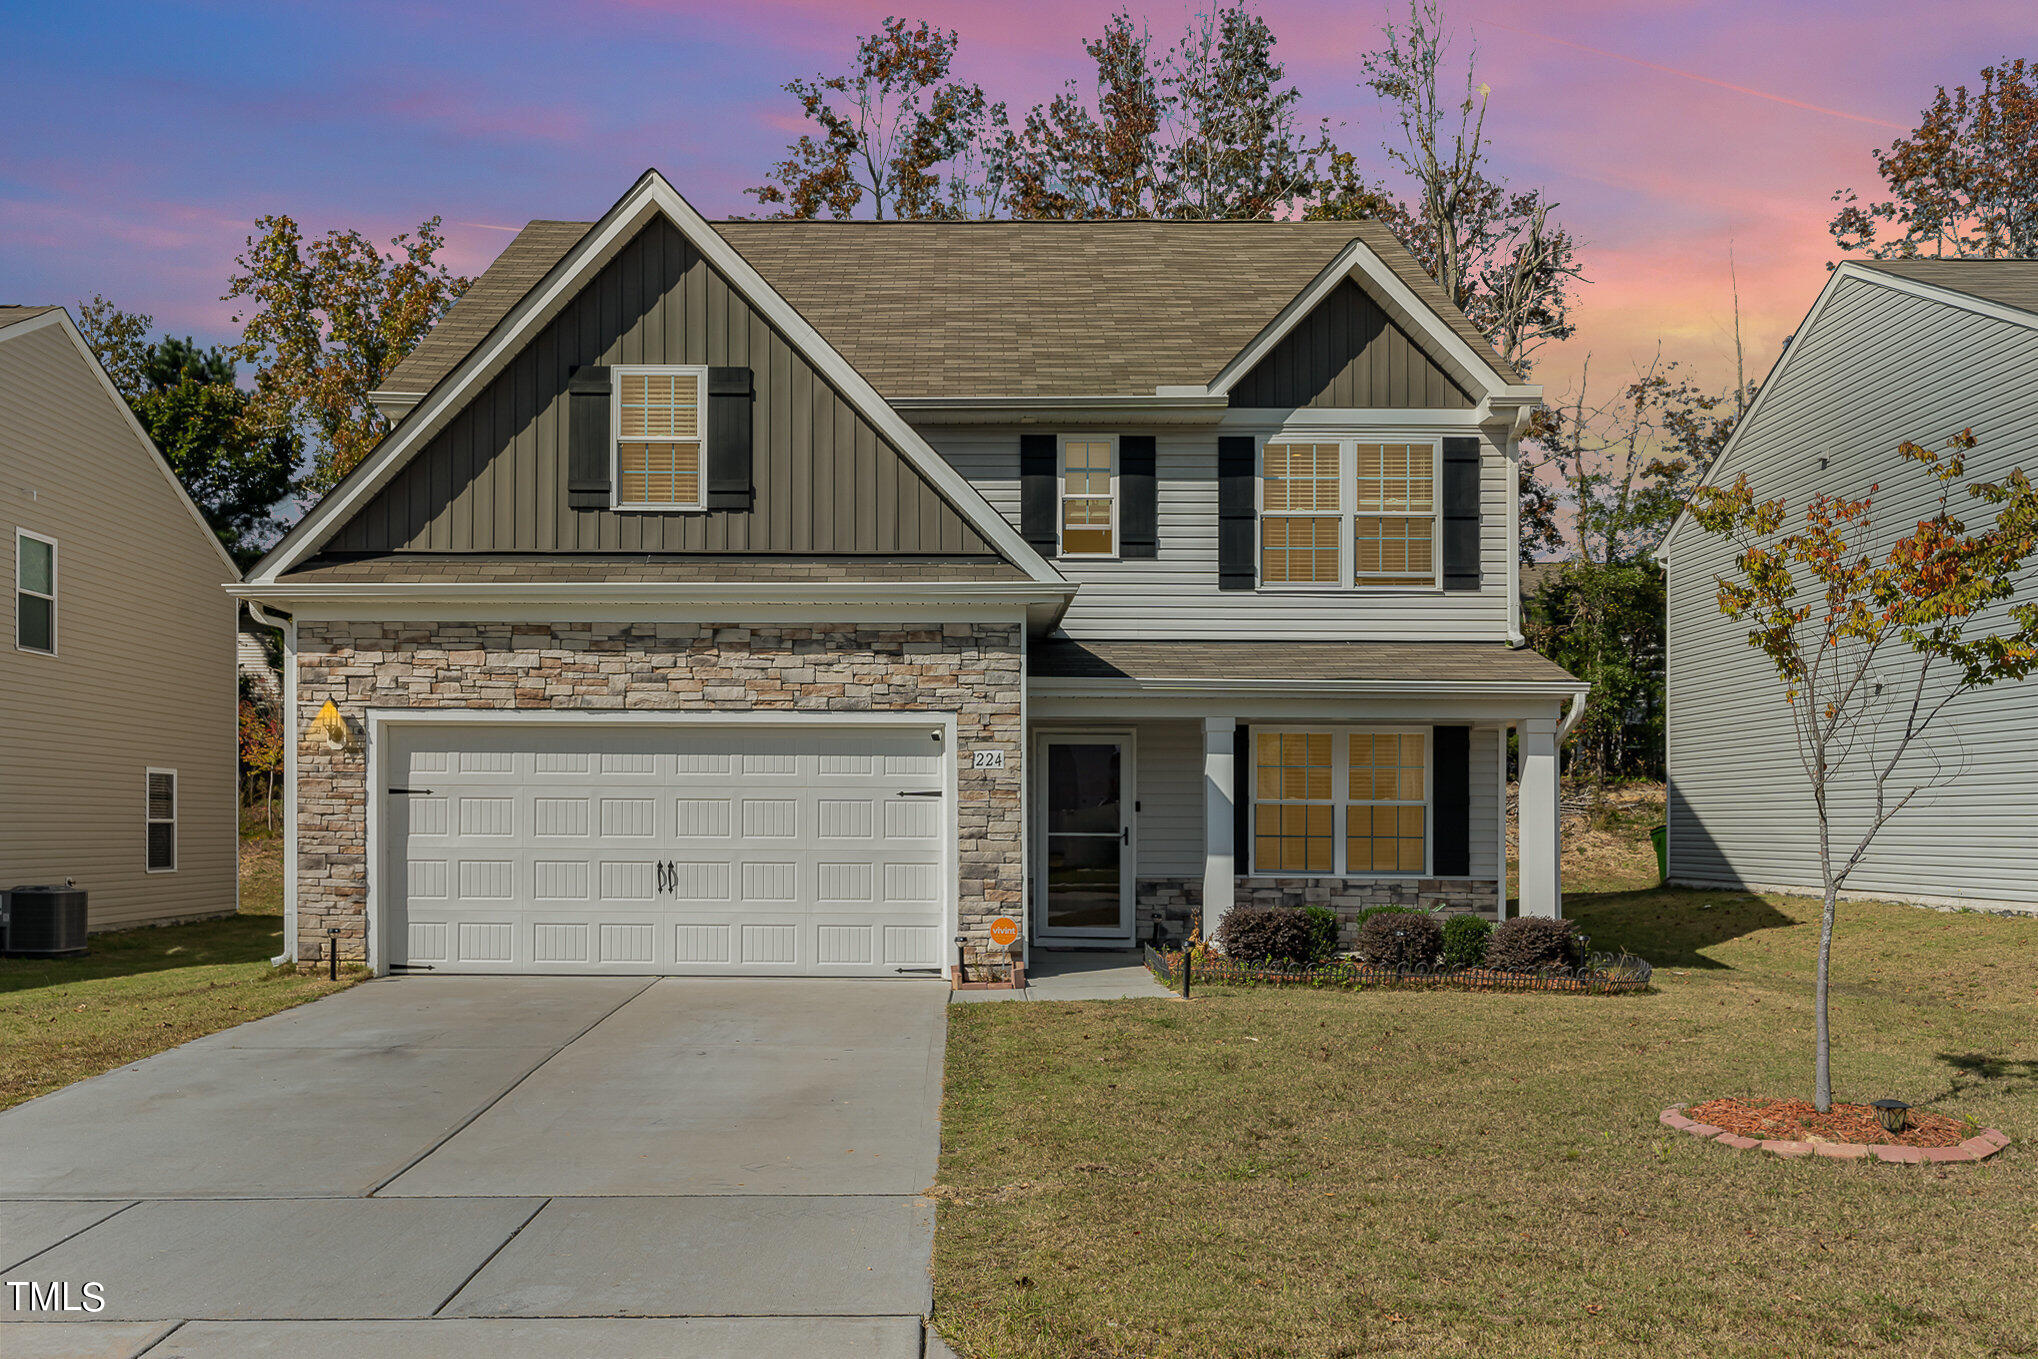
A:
(1159, 800)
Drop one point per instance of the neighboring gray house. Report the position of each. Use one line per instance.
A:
(1895, 350)
(794, 597)
(119, 754)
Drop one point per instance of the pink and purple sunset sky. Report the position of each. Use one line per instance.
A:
(145, 138)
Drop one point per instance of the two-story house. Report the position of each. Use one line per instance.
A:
(798, 597)
(119, 748)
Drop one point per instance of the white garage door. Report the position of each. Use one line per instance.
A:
(665, 849)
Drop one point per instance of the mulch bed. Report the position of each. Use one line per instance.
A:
(1798, 1120)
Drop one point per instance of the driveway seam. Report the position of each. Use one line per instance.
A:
(504, 1093)
(17, 1264)
(501, 1246)
(159, 1340)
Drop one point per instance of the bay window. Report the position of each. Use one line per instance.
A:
(1340, 802)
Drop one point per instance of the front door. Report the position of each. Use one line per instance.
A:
(1085, 883)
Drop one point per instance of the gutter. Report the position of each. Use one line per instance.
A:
(654, 592)
(1085, 686)
(287, 625)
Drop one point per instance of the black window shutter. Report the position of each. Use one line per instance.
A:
(1461, 514)
(1037, 474)
(1451, 749)
(1137, 497)
(730, 397)
(1241, 800)
(587, 439)
(1236, 531)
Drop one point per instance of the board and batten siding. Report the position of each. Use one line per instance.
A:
(144, 673)
(1876, 366)
(1175, 594)
(1168, 758)
(1348, 353)
(495, 479)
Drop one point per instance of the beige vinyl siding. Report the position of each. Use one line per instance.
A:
(144, 671)
(1175, 594)
(1874, 367)
(495, 479)
(1170, 762)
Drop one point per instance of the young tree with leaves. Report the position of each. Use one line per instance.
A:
(189, 402)
(1872, 639)
(324, 322)
(897, 132)
(1963, 183)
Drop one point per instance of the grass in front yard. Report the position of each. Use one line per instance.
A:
(1288, 1172)
(141, 991)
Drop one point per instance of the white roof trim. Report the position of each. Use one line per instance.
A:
(651, 196)
(1853, 271)
(285, 592)
(1363, 265)
(61, 318)
(1094, 685)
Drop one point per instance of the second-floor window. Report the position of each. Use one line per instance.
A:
(35, 592)
(1089, 496)
(1349, 514)
(658, 438)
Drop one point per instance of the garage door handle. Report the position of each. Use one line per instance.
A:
(929, 792)
(408, 792)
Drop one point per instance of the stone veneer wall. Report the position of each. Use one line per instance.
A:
(974, 670)
(1347, 896)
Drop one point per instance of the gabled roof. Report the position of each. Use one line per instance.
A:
(649, 198)
(17, 321)
(1006, 309)
(2004, 289)
(2012, 283)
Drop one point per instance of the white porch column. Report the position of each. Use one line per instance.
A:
(1542, 888)
(1219, 854)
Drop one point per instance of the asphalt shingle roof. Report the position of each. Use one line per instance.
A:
(997, 309)
(1414, 663)
(2012, 283)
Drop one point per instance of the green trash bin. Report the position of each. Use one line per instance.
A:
(1660, 836)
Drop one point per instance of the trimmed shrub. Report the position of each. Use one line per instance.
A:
(1359, 920)
(1401, 939)
(1278, 934)
(1465, 938)
(1530, 943)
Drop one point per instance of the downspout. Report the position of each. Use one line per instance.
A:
(1571, 715)
(287, 625)
(1514, 433)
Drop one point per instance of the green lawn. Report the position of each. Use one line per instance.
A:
(1265, 1172)
(141, 991)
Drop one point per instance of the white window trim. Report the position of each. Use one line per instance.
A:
(1340, 795)
(1062, 497)
(1348, 512)
(150, 819)
(616, 375)
(56, 582)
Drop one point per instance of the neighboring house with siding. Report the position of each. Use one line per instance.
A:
(1891, 350)
(119, 760)
(795, 597)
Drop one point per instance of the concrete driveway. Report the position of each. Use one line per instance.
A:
(493, 1166)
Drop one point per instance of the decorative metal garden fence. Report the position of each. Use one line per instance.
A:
(1600, 974)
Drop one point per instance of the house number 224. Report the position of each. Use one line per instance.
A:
(987, 759)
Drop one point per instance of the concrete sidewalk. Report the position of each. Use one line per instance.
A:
(457, 1166)
(1108, 974)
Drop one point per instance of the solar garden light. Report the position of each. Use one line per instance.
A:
(1892, 1113)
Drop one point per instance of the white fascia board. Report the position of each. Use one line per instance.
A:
(650, 197)
(1354, 419)
(823, 593)
(1855, 272)
(1094, 686)
(1360, 263)
(61, 318)
(1268, 705)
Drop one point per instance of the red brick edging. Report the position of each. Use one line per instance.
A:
(1979, 1147)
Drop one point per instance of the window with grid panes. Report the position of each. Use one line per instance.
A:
(160, 833)
(1394, 528)
(1387, 791)
(1089, 519)
(1301, 513)
(658, 438)
(1294, 803)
